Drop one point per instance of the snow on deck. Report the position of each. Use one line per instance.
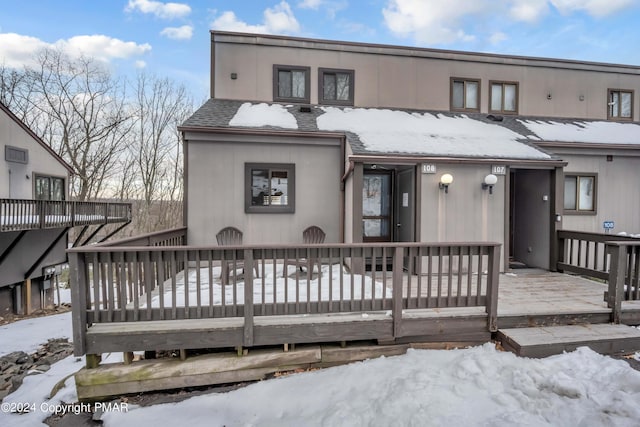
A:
(277, 289)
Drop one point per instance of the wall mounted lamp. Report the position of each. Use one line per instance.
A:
(489, 181)
(445, 180)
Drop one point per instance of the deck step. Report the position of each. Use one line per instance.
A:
(547, 341)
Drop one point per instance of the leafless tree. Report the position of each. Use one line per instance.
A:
(82, 115)
(160, 106)
(120, 147)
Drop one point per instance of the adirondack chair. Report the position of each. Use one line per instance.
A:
(310, 235)
(231, 236)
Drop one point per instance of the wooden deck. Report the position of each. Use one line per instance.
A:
(153, 293)
(526, 298)
(567, 311)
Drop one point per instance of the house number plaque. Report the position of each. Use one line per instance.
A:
(428, 168)
(498, 170)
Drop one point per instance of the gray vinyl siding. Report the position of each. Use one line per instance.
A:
(216, 180)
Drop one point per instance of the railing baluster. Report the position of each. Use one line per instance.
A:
(187, 284)
(210, 273)
(174, 272)
(198, 286)
(470, 277)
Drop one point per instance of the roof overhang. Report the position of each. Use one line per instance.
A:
(33, 135)
(400, 159)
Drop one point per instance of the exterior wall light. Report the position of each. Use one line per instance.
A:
(489, 181)
(445, 180)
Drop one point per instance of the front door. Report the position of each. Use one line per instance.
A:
(404, 204)
(530, 202)
(376, 206)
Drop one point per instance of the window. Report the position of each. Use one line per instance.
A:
(16, 155)
(620, 104)
(48, 188)
(465, 94)
(504, 97)
(335, 86)
(269, 188)
(290, 84)
(580, 193)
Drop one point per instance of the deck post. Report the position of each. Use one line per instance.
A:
(493, 278)
(248, 298)
(617, 273)
(560, 251)
(396, 282)
(77, 275)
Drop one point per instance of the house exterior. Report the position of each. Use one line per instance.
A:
(36, 215)
(388, 143)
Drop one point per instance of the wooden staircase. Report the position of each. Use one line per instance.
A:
(546, 341)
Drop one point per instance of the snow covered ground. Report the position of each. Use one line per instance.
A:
(479, 386)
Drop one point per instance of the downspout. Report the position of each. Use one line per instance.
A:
(345, 175)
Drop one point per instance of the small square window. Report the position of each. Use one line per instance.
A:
(291, 83)
(580, 193)
(335, 86)
(269, 188)
(620, 104)
(465, 94)
(504, 97)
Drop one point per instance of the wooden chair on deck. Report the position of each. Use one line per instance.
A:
(231, 236)
(311, 235)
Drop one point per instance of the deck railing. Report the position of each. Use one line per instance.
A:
(613, 258)
(586, 253)
(144, 283)
(24, 214)
(624, 275)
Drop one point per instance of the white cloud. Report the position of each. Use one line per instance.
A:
(596, 8)
(140, 64)
(528, 10)
(161, 10)
(102, 47)
(309, 4)
(497, 37)
(17, 50)
(178, 33)
(431, 21)
(277, 20)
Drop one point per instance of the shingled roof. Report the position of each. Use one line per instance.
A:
(433, 133)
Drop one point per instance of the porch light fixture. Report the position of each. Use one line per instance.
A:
(489, 181)
(445, 180)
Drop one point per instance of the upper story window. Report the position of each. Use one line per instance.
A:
(269, 187)
(291, 83)
(465, 94)
(335, 86)
(580, 193)
(504, 97)
(620, 104)
(48, 188)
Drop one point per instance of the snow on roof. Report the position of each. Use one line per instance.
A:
(256, 115)
(390, 131)
(592, 132)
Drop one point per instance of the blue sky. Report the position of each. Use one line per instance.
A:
(172, 38)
